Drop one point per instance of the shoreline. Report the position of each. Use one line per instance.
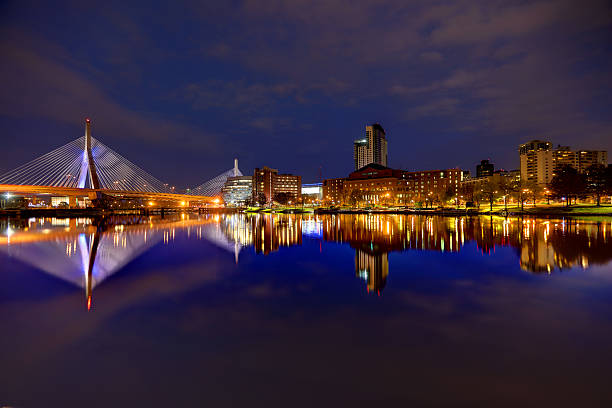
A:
(541, 212)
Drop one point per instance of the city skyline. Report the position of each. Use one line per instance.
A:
(168, 93)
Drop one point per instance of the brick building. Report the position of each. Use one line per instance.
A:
(375, 184)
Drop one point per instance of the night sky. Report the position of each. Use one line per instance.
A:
(182, 90)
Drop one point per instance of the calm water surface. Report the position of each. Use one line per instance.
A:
(281, 310)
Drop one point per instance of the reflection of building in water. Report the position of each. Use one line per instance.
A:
(271, 231)
(86, 252)
(375, 235)
(395, 232)
(265, 232)
(542, 245)
(373, 268)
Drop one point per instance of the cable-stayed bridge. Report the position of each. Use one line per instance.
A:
(86, 167)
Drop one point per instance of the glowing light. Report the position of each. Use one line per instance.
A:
(89, 302)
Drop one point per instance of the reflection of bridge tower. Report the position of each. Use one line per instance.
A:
(373, 268)
(93, 250)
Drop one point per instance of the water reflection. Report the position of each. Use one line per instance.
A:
(86, 251)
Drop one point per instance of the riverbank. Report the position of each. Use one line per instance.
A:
(87, 212)
(538, 211)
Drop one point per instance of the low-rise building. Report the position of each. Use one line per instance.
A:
(485, 168)
(237, 190)
(269, 182)
(375, 184)
(288, 184)
(312, 193)
(333, 191)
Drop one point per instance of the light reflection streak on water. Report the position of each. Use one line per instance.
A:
(541, 245)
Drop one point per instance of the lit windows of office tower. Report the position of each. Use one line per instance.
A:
(536, 158)
(372, 148)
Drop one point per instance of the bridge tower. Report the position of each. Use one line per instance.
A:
(236, 171)
(93, 176)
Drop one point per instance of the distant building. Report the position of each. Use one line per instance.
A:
(536, 158)
(313, 191)
(268, 182)
(580, 160)
(263, 183)
(563, 156)
(333, 190)
(371, 149)
(484, 169)
(360, 153)
(587, 158)
(237, 190)
(288, 183)
(509, 177)
(376, 184)
(540, 161)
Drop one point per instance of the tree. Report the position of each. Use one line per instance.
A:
(467, 191)
(283, 198)
(449, 194)
(533, 190)
(354, 197)
(505, 188)
(596, 181)
(489, 191)
(261, 199)
(568, 183)
(519, 191)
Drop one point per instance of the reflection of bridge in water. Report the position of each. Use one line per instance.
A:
(85, 252)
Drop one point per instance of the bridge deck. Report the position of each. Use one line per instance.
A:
(81, 192)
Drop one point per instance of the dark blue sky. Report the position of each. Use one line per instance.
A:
(181, 90)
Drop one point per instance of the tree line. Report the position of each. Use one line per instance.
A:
(567, 185)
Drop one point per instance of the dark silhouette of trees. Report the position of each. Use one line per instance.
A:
(533, 191)
(354, 197)
(519, 191)
(283, 198)
(449, 194)
(489, 191)
(467, 191)
(568, 183)
(505, 188)
(261, 199)
(597, 183)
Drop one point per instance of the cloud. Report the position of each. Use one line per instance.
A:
(431, 56)
(38, 86)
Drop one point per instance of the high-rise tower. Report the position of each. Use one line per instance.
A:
(536, 158)
(371, 149)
